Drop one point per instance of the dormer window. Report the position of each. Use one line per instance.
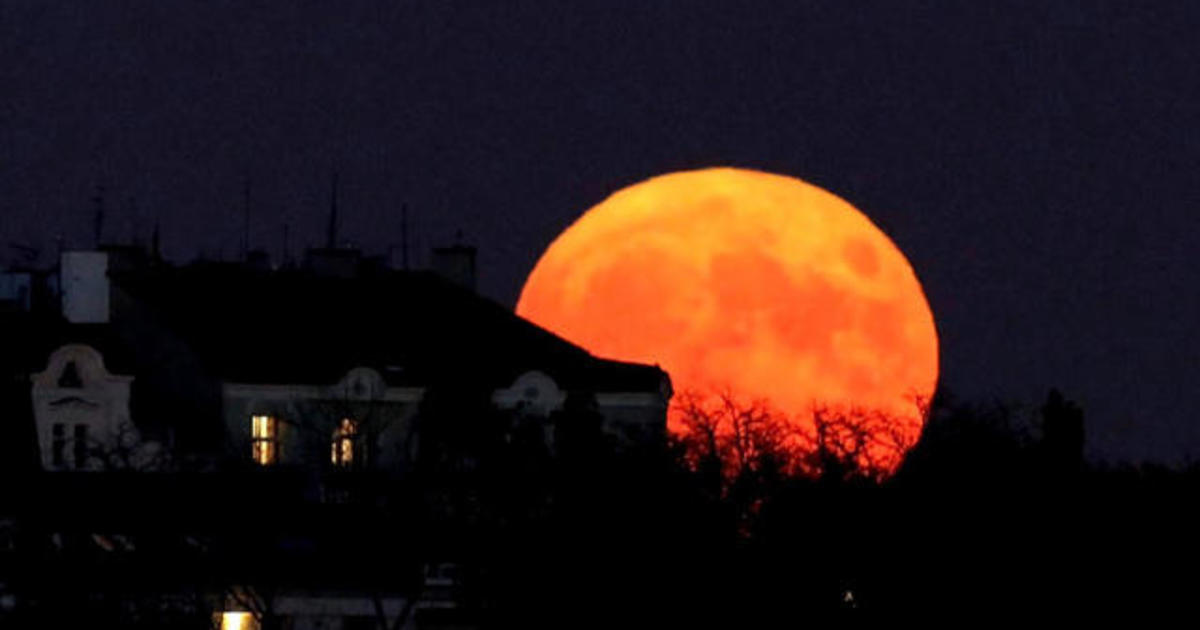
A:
(346, 443)
(264, 440)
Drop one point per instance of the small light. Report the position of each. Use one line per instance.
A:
(236, 621)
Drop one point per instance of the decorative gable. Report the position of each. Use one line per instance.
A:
(80, 407)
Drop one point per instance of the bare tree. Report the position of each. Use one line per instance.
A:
(842, 443)
(730, 441)
(127, 449)
(726, 440)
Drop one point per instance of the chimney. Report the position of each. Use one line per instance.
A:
(85, 288)
(456, 263)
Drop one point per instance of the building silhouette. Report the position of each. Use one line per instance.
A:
(180, 395)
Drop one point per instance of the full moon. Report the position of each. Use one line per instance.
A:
(739, 281)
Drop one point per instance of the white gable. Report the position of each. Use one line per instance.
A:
(79, 407)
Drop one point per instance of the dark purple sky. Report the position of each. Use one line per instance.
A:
(1037, 161)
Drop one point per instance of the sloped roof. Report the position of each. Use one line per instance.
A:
(414, 327)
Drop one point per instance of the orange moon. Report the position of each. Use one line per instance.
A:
(752, 283)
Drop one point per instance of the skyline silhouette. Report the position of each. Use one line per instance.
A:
(1032, 161)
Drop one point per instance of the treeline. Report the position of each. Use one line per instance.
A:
(744, 519)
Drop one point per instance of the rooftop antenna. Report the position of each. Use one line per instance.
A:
(404, 236)
(246, 219)
(98, 218)
(331, 233)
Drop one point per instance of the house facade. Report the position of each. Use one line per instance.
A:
(236, 393)
(225, 363)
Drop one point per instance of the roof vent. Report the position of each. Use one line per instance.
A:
(456, 263)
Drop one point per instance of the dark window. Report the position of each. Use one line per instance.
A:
(70, 377)
(58, 445)
(81, 437)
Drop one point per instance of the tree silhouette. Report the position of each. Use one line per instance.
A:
(745, 456)
(729, 442)
(1062, 435)
(125, 448)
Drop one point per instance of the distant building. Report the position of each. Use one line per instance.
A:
(16, 290)
(228, 362)
(256, 390)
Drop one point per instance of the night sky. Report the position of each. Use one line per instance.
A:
(1036, 161)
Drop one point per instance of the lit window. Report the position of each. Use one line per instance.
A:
(264, 440)
(236, 621)
(345, 443)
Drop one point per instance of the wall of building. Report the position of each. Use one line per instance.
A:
(308, 416)
(81, 410)
(85, 287)
(628, 416)
(633, 416)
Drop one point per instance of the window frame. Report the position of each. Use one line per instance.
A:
(264, 439)
(346, 447)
